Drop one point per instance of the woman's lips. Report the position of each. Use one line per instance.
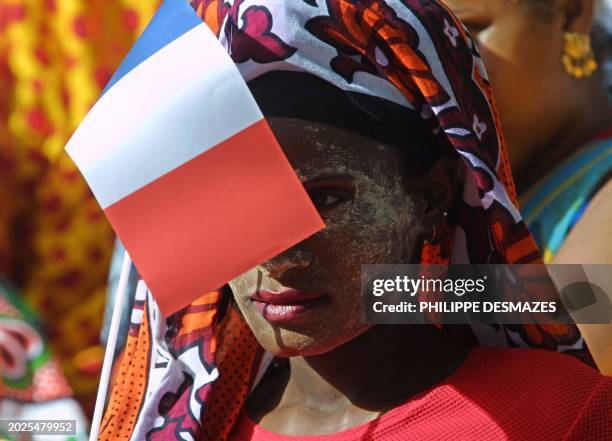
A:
(286, 304)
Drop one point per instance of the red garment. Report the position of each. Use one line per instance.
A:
(497, 394)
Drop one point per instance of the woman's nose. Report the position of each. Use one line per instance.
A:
(293, 258)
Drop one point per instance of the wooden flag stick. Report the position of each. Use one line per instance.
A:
(110, 346)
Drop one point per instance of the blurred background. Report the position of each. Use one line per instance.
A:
(55, 244)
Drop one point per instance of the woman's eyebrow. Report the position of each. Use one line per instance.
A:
(324, 179)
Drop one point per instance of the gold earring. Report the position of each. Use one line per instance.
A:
(578, 57)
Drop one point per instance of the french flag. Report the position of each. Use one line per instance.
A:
(184, 165)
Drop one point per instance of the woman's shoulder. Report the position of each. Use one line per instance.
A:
(555, 204)
(539, 364)
(539, 376)
(524, 388)
(589, 240)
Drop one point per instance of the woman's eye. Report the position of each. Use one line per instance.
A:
(326, 199)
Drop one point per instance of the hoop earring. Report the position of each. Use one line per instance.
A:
(578, 58)
(434, 232)
(434, 236)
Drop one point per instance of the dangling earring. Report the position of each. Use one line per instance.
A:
(578, 57)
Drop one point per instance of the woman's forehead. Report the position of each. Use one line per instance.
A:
(305, 97)
(317, 149)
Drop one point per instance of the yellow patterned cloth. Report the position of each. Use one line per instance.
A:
(55, 244)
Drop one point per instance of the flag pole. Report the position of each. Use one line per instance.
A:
(110, 346)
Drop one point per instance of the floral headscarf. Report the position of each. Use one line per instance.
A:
(188, 377)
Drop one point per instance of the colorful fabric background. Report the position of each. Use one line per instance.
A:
(31, 382)
(55, 244)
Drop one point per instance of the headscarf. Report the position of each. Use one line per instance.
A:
(188, 377)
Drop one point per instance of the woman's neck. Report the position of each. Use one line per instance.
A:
(350, 385)
(590, 118)
(383, 366)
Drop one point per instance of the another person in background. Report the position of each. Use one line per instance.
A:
(604, 22)
(544, 59)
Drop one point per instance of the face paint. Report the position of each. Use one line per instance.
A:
(307, 300)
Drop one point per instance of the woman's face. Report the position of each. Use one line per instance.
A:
(522, 55)
(306, 301)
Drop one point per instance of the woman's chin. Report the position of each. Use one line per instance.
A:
(283, 342)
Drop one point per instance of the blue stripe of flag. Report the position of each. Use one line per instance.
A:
(173, 19)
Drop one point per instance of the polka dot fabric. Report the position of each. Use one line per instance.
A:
(130, 383)
(236, 359)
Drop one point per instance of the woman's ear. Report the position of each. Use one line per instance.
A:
(439, 187)
(579, 15)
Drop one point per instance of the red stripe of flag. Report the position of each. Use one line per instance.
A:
(214, 217)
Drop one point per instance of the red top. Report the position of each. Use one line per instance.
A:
(497, 394)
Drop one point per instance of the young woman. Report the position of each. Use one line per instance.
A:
(545, 59)
(384, 110)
